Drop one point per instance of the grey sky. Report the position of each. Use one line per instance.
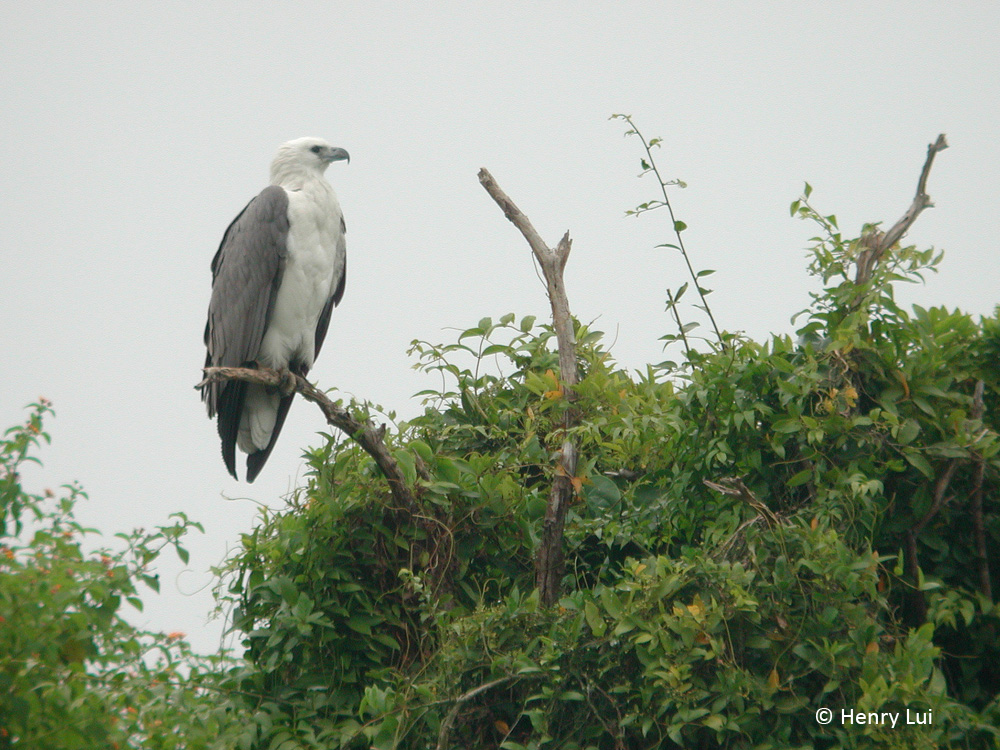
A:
(133, 133)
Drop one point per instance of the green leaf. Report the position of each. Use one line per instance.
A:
(787, 426)
(908, 431)
(920, 463)
(601, 493)
(492, 349)
(679, 226)
(800, 478)
(423, 450)
(359, 625)
(714, 721)
(406, 463)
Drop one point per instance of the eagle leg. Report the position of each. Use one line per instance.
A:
(288, 382)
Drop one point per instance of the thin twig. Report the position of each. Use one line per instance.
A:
(672, 306)
(673, 222)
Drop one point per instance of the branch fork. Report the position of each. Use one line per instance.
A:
(549, 560)
(876, 242)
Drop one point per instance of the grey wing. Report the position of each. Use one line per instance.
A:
(338, 290)
(246, 273)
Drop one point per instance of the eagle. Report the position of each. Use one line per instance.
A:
(278, 273)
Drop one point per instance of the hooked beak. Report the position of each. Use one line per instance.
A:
(338, 154)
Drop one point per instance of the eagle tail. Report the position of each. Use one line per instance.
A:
(230, 408)
(256, 460)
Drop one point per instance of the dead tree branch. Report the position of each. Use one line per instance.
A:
(549, 562)
(876, 242)
(364, 433)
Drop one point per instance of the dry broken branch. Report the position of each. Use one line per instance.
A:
(549, 561)
(363, 432)
(876, 242)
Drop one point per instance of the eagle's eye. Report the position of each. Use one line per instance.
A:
(316, 149)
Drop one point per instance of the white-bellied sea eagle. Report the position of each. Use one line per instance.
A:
(277, 276)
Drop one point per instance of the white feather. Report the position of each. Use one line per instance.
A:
(312, 268)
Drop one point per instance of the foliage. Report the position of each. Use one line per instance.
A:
(842, 571)
(761, 530)
(73, 672)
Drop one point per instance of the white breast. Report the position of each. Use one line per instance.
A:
(311, 268)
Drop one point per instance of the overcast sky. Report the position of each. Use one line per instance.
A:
(131, 134)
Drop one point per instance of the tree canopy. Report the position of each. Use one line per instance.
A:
(756, 530)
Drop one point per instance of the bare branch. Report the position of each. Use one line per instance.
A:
(552, 263)
(364, 433)
(549, 562)
(877, 242)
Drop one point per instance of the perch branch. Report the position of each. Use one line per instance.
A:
(876, 242)
(364, 433)
(549, 562)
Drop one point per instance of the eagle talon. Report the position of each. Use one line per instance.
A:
(288, 382)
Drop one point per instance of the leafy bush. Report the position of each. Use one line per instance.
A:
(760, 531)
(73, 672)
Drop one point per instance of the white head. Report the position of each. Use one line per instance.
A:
(304, 158)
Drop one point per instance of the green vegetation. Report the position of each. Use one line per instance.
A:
(761, 529)
(73, 672)
(693, 616)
